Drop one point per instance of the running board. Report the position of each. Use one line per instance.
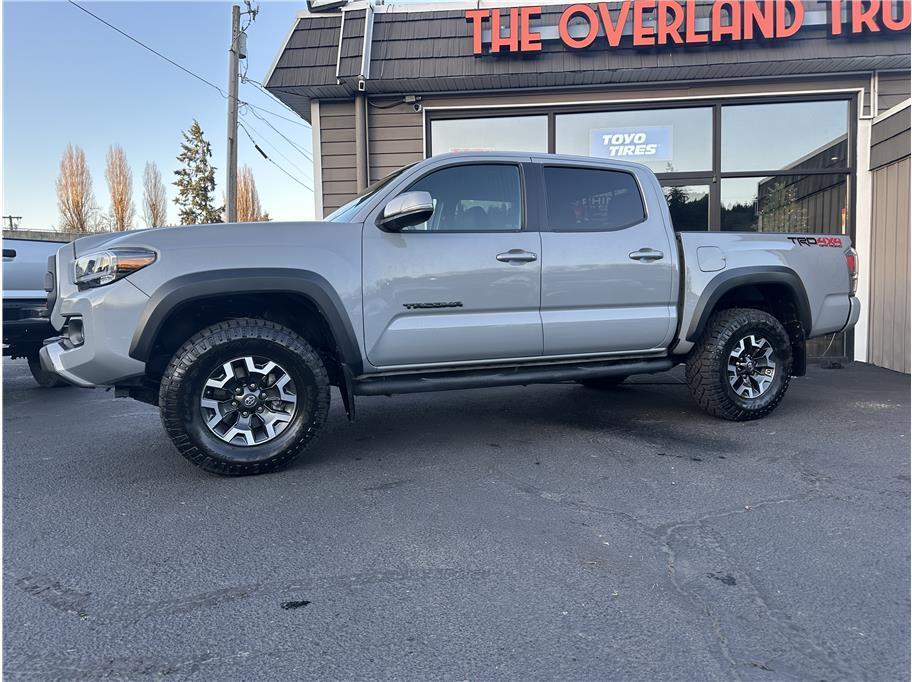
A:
(504, 376)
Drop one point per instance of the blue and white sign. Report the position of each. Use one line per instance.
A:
(648, 143)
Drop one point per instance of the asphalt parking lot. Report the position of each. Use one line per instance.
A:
(529, 533)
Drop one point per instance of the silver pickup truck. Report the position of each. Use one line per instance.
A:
(460, 271)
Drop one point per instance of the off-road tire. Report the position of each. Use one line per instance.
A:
(603, 382)
(706, 369)
(41, 376)
(185, 376)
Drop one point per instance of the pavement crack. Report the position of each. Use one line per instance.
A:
(568, 502)
(793, 637)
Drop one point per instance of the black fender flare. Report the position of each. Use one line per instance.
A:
(726, 281)
(214, 283)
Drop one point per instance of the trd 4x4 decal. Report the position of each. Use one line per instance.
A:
(816, 241)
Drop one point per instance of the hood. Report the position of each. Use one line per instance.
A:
(238, 235)
(100, 240)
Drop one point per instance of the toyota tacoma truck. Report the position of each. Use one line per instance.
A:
(460, 271)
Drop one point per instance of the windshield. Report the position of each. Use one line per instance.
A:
(345, 212)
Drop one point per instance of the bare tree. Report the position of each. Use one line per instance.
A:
(75, 198)
(120, 186)
(155, 200)
(248, 200)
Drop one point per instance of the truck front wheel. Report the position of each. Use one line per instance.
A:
(741, 366)
(42, 377)
(243, 397)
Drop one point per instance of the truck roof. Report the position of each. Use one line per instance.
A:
(539, 156)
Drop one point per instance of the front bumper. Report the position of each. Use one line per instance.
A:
(109, 316)
(53, 359)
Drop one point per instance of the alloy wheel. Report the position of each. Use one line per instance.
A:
(248, 401)
(751, 366)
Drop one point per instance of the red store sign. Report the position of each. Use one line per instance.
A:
(673, 22)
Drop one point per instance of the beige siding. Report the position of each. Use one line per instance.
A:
(890, 280)
(890, 138)
(337, 151)
(893, 87)
(395, 137)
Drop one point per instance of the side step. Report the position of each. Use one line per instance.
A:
(504, 376)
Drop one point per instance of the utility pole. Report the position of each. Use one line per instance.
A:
(233, 56)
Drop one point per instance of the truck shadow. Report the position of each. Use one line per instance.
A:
(545, 417)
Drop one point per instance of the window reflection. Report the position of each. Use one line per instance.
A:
(582, 199)
(666, 140)
(688, 206)
(793, 135)
(501, 134)
(785, 203)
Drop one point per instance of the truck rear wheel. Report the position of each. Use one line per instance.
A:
(244, 397)
(741, 366)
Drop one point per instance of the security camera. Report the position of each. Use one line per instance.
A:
(362, 85)
(417, 106)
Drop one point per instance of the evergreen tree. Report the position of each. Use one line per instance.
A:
(196, 180)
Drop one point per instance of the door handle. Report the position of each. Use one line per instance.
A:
(9, 253)
(646, 254)
(517, 256)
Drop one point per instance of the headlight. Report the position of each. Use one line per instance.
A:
(104, 267)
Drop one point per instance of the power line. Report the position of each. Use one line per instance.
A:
(265, 156)
(272, 92)
(277, 150)
(150, 49)
(303, 123)
(217, 89)
(174, 63)
(294, 144)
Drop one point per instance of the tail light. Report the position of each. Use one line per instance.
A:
(852, 264)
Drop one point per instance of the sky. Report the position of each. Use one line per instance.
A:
(69, 79)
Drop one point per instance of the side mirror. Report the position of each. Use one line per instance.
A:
(409, 208)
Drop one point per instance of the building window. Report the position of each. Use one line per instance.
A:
(472, 198)
(785, 136)
(785, 203)
(666, 140)
(587, 200)
(500, 134)
(688, 206)
(725, 165)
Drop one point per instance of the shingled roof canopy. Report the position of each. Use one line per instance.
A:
(420, 49)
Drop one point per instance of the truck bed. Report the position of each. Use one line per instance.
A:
(814, 264)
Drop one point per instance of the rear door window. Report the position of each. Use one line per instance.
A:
(592, 199)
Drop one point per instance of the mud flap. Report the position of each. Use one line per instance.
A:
(348, 395)
(799, 356)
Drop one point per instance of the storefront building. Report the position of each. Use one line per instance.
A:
(769, 115)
